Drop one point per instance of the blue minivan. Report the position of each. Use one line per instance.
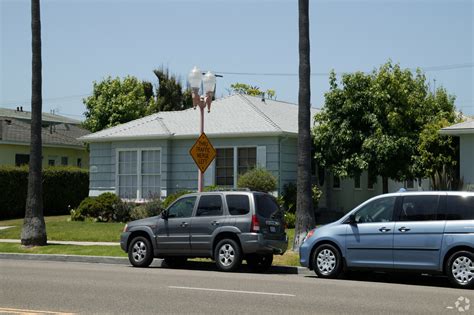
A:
(430, 232)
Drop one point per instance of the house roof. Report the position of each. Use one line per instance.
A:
(62, 135)
(466, 127)
(25, 115)
(233, 116)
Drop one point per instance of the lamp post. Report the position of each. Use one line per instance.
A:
(208, 81)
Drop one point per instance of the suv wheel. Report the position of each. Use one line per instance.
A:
(460, 269)
(259, 262)
(227, 255)
(327, 261)
(175, 262)
(140, 252)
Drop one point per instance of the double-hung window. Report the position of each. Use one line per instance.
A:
(139, 173)
(232, 162)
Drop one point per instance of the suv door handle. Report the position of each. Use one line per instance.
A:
(404, 229)
(184, 224)
(215, 223)
(384, 229)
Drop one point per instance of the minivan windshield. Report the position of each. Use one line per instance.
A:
(266, 205)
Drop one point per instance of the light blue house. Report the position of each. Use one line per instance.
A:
(150, 156)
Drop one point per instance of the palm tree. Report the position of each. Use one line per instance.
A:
(34, 229)
(304, 205)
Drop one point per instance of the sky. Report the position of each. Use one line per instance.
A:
(246, 41)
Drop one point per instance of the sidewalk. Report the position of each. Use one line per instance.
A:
(67, 242)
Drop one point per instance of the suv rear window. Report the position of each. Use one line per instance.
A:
(265, 205)
(460, 208)
(238, 204)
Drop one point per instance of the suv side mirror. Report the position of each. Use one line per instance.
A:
(352, 219)
(164, 214)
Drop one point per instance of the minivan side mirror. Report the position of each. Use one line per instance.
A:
(164, 214)
(352, 219)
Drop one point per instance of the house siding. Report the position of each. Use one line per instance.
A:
(466, 164)
(288, 168)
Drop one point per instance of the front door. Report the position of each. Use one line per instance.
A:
(209, 216)
(369, 240)
(418, 235)
(173, 232)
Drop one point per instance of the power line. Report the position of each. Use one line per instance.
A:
(316, 74)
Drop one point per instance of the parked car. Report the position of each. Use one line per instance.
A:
(226, 226)
(431, 232)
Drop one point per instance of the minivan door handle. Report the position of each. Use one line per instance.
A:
(215, 223)
(384, 229)
(404, 229)
(184, 224)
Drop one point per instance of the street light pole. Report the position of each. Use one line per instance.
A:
(209, 83)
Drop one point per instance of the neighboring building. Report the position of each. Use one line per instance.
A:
(465, 132)
(59, 137)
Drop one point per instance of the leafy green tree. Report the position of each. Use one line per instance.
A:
(374, 122)
(305, 219)
(33, 232)
(170, 95)
(258, 179)
(115, 101)
(242, 88)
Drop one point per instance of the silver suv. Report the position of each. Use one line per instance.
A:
(226, 226)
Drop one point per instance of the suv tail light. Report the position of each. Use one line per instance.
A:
(255, 227)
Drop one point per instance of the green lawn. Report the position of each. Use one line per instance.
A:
(58, 228)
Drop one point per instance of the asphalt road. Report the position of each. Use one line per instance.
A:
(41, 286)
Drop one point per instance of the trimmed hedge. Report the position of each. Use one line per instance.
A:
(63, 188)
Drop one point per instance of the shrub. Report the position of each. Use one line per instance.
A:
(101, 208)
(290, 219)
(153, 207)
(171, 198)
(123, 211)
(63, 188)
(258, 179)
(289, 197)
(139, 212)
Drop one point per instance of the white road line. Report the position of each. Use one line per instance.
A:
(7, 310)
(230, 291)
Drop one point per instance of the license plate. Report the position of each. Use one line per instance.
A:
(272, 229)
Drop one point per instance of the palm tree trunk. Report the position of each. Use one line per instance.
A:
(34, 229)
(304, 204)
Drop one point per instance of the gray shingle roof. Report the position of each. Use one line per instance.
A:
(466, 127)
(25, 115)
(19, 131)
(236, 115)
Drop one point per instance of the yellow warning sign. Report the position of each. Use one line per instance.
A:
(203, 152)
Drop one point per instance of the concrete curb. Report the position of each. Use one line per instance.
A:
(124, 261)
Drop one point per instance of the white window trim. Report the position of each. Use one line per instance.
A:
(139, 169)
(236, 160)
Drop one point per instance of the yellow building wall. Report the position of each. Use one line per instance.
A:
(8, 152)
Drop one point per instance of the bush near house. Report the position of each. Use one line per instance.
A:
(63, 188)
(258, 179)
(108, 207)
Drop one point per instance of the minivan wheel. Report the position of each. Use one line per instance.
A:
(327, 261)
(259, 262)
(227, 255)
(140, 252)
(460, 269)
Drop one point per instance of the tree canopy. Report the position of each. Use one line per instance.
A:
(242, 88)
(170, 94)
(385, 122)
(115, 101)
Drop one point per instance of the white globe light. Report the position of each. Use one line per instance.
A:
(194, 78)
(209, 82)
